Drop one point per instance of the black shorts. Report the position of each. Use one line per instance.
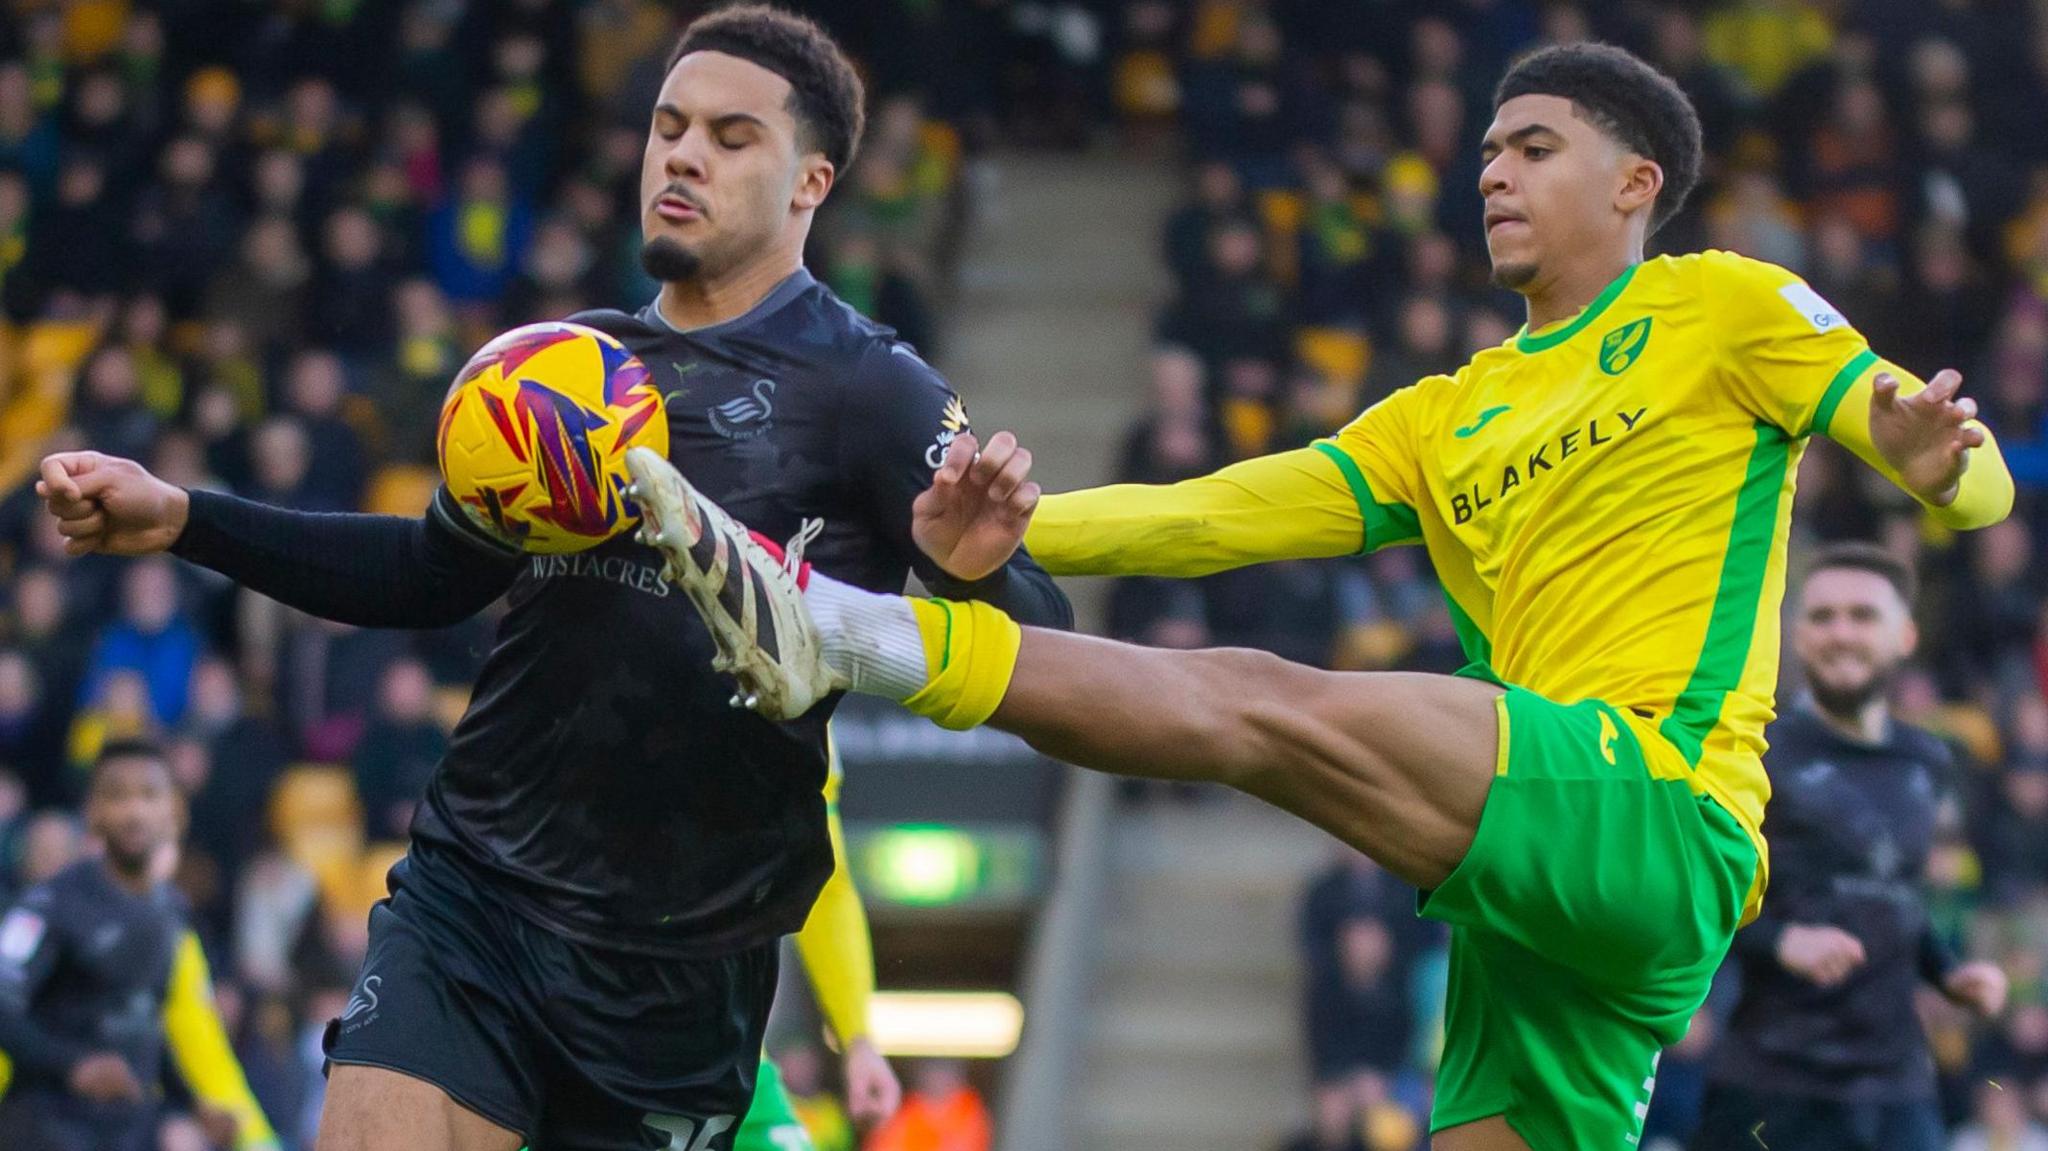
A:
(574, 1047)
(1730, 1119)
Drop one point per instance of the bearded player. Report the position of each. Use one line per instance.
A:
(1605, 498)
(580, 948)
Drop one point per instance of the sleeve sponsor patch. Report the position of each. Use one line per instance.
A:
(1810, 305)
(20, 934)
(952, 422)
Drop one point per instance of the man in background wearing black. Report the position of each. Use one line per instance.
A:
(101, 979)
(1822, 1049)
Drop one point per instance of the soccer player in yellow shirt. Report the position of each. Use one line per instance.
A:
(1606, 499)
(839, 957)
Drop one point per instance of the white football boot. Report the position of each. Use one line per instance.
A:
(746, 589)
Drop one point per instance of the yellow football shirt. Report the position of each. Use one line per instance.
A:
(835, 944)
(1605, 501)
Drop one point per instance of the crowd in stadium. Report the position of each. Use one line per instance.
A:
(250, 244)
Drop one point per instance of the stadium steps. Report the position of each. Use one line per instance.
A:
(1049, 328)
(1187, 1036)
(1195, 1042)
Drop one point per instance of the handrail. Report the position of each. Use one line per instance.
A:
(1036, 1106)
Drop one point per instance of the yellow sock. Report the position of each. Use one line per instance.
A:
(970, 653)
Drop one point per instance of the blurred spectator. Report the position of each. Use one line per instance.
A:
(476, 241)
(185, 225)
(353, 287)
(236, 758)
(1852, 163)
(941, 1112)
(29, 730)
(1218, 198)
(29, 142)
(110, 412)
(144, 334)
(1423, 347)
(1994, 629)
(1171, 440)
(281, 466)
(412, 380)
(74, 241)
(399, 750)
(152, 637)
(265, 290)
(336, 468)
(1229, 309)
(2014, 836)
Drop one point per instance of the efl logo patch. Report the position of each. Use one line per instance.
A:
(1808, 303)
(20, 933)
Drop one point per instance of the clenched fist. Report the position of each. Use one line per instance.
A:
(107, 504)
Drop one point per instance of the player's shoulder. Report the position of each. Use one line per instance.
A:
(171, 902)
(1722, 267)
(81, 878)
(1729, 282)
(1444, 394)
(82, 884)
(864, 352)
(615, 323)
(1920, 745)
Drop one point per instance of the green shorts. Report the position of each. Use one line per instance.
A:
(1587, 920)
(771, 1123)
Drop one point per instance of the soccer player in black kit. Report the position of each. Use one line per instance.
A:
(579, 951)
(1823, 1051)
(101, 978)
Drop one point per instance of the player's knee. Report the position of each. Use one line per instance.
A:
(1246, 690)
(1242, 672)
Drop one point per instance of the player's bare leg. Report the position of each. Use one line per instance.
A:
(1397, 765)
(372, 1109)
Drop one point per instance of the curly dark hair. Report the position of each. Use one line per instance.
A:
(1637, 106)
(825, 95)
(115, 750)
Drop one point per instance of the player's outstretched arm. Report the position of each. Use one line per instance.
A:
(1292, 505)
(367, 570)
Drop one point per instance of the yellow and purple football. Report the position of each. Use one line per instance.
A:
(534, 432)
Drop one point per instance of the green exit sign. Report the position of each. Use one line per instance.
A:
(946, 865)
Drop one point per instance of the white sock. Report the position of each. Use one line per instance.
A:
(871, 639)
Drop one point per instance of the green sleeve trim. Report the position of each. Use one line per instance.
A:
(1385, 524)
(1732, 622)
(1824, 414)
(946, 652)
(1525, 341)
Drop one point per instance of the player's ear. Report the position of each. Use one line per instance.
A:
(1641, 180)
(1909, 638)
(814, 179)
